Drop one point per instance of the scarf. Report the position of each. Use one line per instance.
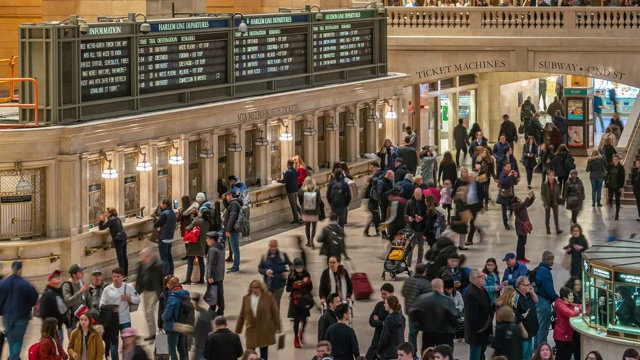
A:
(343, 284)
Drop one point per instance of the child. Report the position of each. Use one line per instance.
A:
(463, 265)
(432, 190)
(445, 198)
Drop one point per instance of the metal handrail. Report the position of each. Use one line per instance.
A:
(33, 105)
(632, 148)
(12, 74)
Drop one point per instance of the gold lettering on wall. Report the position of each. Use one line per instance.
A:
(267, 113)
(461, 67)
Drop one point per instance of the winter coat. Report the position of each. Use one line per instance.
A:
(324, 322)
(487, 166)
(290, 180)
(345, 191)
(529, 161)
(560, 166)
(414, 287)
(550, 199)
(383, 186)
(172, 309)
(492, 280)
(382, 314)
(392, 335)
(299, 287)
(555, 105)
(407, 188)
(400, 172)
(545, 155)
(167, 224)
(544, 282)
(561, 123)
(573, 190)
(635, 179)
(609, 135)
(456, 274)
(499, 149)
(512, 274)
(49, 301)
(409, 157)
(215, 262)
(325, 284)
(508, 341)
(95, 345)
(17, 297)
(506, 181)
(508, 128)
(478, 315)
(596, 167)
(233, 210)
(185, 217)
(302, 174)
(576, 256)
(387, 158)
(279, 263)
(434, 312)
(620, 177)
(149, 277)
(533, 127)
(223, 344)
(261, 329)
(460, 137)
(564, 312)
(199, 248)
(521, 214)
(429, 169)
(617, 122)
(48, 350)
(114, 224)
(447, 172)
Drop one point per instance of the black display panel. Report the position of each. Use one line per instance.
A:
(105, 68)
(176, 62)
(267, 53)
(337, 46)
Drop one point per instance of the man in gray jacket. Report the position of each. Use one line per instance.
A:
(412, 288)
(74, 292)
(215, 273)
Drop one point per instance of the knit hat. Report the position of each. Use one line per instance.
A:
(546, 255)
(448, 283)
(201, 197)
(574, 171)
(399, 159)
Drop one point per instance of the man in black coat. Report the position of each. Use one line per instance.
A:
(401, 170)
(222, 344)
(508, 128)
(290, 181)
(478, 315)
(461, 141)
(328, 318)
(149, 286)
(377, 318)
(408, 155)
(562, 124)
(436, 315)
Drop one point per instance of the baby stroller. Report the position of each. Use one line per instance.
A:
(396, 260)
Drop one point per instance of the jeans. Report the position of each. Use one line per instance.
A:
(372, 206)
(121, 254)
(596, 191)
(565, 138)
(547, 214)
(527, 347)
(150, 299)
(15, 336)
(522, 241)
(177, 345)
(477, 352)
(485, 187)
(342, 215)
(599, 116)
(293, 203)
(190, 261)
(413, 337)
(458, 150)
(234, 243)
(543, 310)
(165, 256)
(115, 344)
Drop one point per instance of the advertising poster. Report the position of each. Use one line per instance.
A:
(575, 109)
(576, 136)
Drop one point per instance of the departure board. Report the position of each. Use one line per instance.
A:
(181, 61)
(270, 53)
(105, 68)
(338, 46)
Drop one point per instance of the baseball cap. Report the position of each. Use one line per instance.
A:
(298, 263)
(231, 192)
(509, 256)
(232, 178)
(75, 268)
(53, 274)
(16, 265)
(96, 271)
(213, 235)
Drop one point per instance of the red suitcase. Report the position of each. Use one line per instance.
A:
(362, 289)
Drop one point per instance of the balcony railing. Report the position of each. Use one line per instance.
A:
(493, 21)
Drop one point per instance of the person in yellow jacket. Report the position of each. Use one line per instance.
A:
(86, 342)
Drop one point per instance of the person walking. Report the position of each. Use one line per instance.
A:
(477, 146)
(85, 342)
(290, 181)
(377, 319)
(562, 124)
(215, 273)
(597, 169)
(149, 285)
(259, 312)
(412, 288)
(500, 148)
(339, 196)
(232, 228)
(598, 105)
(409, 156)
(274, 267)
(222, 343)
(166, 227)
(563, 333)
(523, 224)
(118, 236)
(546, 292)
(485, 166)
(310, 198)
(577, 245)
(564, 163)
(50, 344)
(172, 314)
(435, 314)
(392, 334)
(52, 302)
(460, 140)
(478, 316)
(533, 127)
(615, 182)
(343, 339)
(130, 347)
(573, 194)
(196, 251)
(374, 197)
(508, 128)
(550, 194)
(474, 200)
(332, 239)
(447, 170)
(17, 297)
(384, 186)
(299, 287)
(607, 149)
(507, 181)
(526, 315)
(547, 159)
(335, 279)
(529, 155)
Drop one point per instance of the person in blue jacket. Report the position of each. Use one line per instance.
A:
(171, 314)
(546, 295)
(513, 271)
(17, 297)
(166, 226)
(499, 148)
(290, 181)
(274, 266)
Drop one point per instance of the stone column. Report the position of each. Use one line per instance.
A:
(180, 173)
(308, 142)
(84, 194)
(114, 188)
(453, 118)
(145, 178)
(152, 184)
(371, 127)
(314, 142)
(422, 132)
(234, 157)
(352, 135)
(239, 171)
(208, 180)
(332, 139)
(66, 216)
(214, 165)
(262, 163)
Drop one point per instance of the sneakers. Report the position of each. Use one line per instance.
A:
(232, 270)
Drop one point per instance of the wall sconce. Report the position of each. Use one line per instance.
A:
(331, 126)
(310, 130)
(390, 114)
(206, 153)
(143, 165)
(109, 172)
(352, 120)
(319, 15)
(243, 26)
(261, 140)
(286, 135)
(176, 158)
(23, 185)
(373, 115)
(234, 146)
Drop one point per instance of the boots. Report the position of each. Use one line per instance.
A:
(296, 342)
(548, 231)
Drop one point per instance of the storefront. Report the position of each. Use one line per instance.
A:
(625, 96)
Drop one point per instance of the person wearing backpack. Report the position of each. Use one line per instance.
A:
(374, 197)
(242, 193)
(50, 345)
(290, 181)
(310, 198)
(542, 280)
(274, 267)
(118, 236)
(332, 239)
(17, 297)
(232, 226)
(178, 310)
(75, 295)
(563, 164)
(339, 196)
(166, 227)
(508, 128)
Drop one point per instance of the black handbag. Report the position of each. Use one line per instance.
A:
(507, 193)
(322, 214)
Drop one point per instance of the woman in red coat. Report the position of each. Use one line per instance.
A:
(563, 333)
(50, 344)
(301, 168)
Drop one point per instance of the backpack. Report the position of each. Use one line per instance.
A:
(243, 195)
(373, 191)
(338, 195)
(440, 224)
(569, 163)
(241, 222)
(34, 351)
(532, 275)
(187, 311)
(309, 200)
(335, 242)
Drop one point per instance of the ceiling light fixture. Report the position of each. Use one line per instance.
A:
(109, 172)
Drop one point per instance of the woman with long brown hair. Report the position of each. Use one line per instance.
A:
(86, 341)
(50, 344)
(447, 170)
(529, 154)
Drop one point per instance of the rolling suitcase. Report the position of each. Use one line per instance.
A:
(362, 289)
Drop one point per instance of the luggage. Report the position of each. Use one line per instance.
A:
(362, 289)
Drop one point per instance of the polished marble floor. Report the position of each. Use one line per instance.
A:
(597, 223)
